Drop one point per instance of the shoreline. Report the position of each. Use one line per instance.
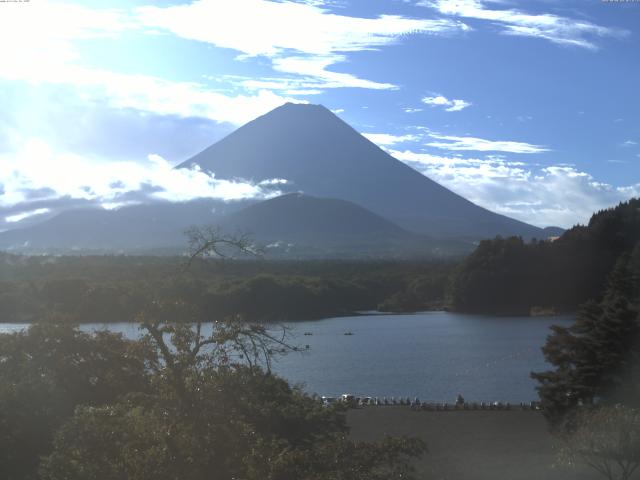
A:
(357, 313)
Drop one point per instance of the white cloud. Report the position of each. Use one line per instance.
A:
(412, 110)
(303, 39)
(451, 142)
(33, 174)
(314, 69)
(629, 143)
(312, 78)
(36, 36)
(385, 139)
(150, 94)
(453, 105)
(556, 195)
(18, 217)
(37, 46)
(554, 28)
(269, 28)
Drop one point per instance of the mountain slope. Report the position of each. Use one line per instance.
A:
(305, 226)
(301, 217)
(134, 228)
(321, 155)
(292, 225)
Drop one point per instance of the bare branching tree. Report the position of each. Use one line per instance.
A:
(210, 241)
(186, 346)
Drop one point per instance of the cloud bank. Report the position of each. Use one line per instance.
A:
(553, 28)
(301, 39)
(559, 195)
(33, 178)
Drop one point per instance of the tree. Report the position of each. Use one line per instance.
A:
(594, 358)
(607, 439)
(214, 413)
(45, 373)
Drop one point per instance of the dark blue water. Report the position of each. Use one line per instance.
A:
(433, 355)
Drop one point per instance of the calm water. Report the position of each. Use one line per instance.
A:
(433, 355)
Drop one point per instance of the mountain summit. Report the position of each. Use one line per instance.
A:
(321, 155)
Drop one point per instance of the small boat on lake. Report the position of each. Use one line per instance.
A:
(348, 333)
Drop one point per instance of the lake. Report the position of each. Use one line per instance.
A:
(430, 355)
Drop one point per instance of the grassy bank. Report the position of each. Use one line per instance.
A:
(471, 445)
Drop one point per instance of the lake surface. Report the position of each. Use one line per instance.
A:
(432, 355)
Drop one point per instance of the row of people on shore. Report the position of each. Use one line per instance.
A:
(459, 404)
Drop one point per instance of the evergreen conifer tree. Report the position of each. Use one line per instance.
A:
(598, 357)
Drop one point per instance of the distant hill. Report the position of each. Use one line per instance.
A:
(290, 226)
(302, 225)
(323, 156)
(140, 228)
(507, 275)
(298, 217)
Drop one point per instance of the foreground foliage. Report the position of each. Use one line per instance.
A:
(178, 403)
(606, 439)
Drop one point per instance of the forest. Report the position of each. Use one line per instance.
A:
(116, 288)
(510, 276)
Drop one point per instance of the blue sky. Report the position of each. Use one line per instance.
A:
(528, 108)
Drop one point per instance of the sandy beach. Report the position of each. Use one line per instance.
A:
(471, 445)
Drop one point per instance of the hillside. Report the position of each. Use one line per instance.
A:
(507, 275)
(140, 228)
(302, 226)
(298, 216)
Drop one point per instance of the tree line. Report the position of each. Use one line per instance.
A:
(113, 288)
(508, 275)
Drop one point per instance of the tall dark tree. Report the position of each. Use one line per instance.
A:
(596, 357)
